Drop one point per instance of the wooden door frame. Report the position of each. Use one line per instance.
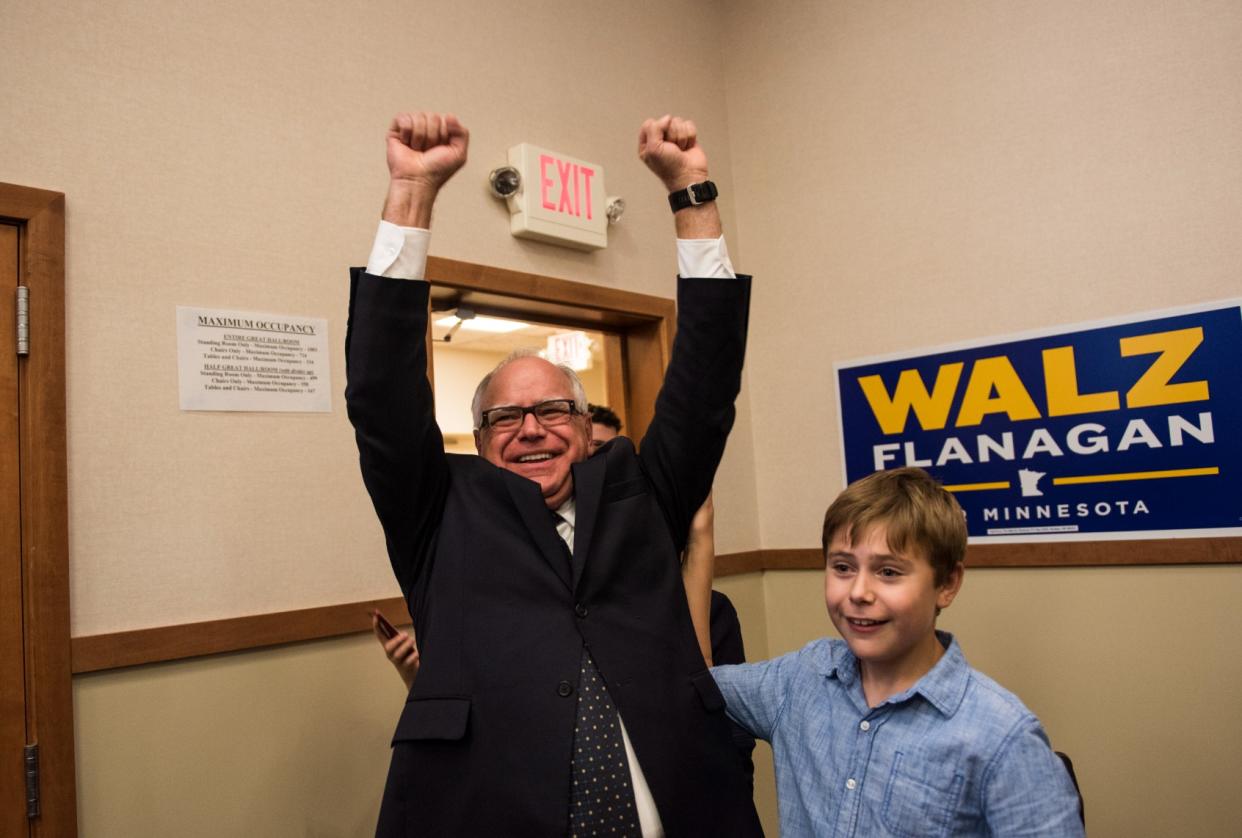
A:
(638, 328)
(12, 639)
(40, 215)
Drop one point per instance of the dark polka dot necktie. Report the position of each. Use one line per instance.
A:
(601, 801)
(601, 798)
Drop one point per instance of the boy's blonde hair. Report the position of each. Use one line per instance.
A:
(917, 512)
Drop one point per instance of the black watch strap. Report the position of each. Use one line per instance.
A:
(692, 195)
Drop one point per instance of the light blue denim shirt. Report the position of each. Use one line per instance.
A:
(956, 754)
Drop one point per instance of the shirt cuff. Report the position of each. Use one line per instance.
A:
(399, 252)
(704, 258)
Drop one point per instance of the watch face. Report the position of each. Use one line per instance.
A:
(693, 195)
(704, 191)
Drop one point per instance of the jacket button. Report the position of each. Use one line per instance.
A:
(564, 689)
(580, 610)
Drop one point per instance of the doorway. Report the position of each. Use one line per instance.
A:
(628, 336)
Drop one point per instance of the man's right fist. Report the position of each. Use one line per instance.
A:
(426, 149)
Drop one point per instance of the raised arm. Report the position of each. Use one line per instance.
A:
(697, 568)
(694, 411)
(388, 396)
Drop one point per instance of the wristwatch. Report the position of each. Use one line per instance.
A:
(692, 195)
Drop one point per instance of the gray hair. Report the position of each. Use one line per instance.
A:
(575, 384)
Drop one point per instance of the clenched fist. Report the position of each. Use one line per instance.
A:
(424, 151)
(426, 148)
(670, 148)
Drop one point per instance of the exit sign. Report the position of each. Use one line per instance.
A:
(561, 201)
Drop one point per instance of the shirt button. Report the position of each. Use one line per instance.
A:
(580, 610)
(851, 784)
(564, 688)
(865, 726)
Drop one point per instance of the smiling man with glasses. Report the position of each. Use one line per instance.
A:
(540, 441)
(560, 690)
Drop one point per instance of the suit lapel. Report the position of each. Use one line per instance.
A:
(588, 489)
(534, 512)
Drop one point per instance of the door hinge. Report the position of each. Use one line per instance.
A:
(32, 781)
(23, 320)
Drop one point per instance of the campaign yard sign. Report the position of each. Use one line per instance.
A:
(1125, 429)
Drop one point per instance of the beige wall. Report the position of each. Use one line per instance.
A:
(898, 175)
(285, 742)
(917, 174)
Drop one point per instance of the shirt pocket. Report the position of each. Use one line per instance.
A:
(921, 798)
(433, 718)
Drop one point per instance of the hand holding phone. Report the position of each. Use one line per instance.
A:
(401, 649)
(385, 628)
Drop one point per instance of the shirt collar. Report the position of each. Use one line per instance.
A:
(944, 686)
(568, 510)
(565, 517)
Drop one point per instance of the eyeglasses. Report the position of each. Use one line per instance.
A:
(549, 413)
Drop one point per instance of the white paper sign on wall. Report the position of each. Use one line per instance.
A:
(561, 200)
(244, 360)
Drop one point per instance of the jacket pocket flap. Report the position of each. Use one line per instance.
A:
(624, 489)
(433, 718)
(709, 693)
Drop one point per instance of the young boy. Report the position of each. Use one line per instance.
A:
(890, 732)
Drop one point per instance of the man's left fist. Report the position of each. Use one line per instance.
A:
(670, 148)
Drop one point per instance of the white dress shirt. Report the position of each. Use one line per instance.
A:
(401, 253)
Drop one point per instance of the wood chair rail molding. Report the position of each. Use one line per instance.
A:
(1165, 551)
(235, 634)
(170, 643)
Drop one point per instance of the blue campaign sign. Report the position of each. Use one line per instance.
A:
(1125, 429)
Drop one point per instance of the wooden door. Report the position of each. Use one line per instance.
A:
(12, 657)
(36, 698)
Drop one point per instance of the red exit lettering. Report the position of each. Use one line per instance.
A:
(574, 194)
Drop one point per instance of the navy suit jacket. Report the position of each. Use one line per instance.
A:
(483, 743)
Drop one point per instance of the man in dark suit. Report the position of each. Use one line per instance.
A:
(724, 632)
(536, 576)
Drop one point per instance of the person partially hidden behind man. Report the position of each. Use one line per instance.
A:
(605, 425)
(560, 688)
(889, 731)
